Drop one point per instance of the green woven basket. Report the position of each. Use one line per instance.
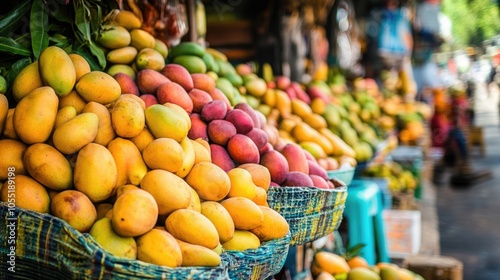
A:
(311, 212)
(257, 264)
(49, 248)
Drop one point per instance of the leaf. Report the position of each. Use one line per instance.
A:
(11, 21)
(9, 45)
(39, 23)
(15, 69)
(99, 54)
(94, 64)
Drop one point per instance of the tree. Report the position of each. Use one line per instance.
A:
(474, 21)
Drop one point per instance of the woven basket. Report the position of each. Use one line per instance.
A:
(257, 264)
(49, 248)
(311, 212)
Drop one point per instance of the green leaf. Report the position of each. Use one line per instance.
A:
(9, 45)
(15, 69)
(94, 64)
(39, 23)
(99, 54)
(11, 21)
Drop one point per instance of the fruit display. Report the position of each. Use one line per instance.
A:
(326, 265)
(400, 180)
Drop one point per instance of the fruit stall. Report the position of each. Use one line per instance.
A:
(134, 148)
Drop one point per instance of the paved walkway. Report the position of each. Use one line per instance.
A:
(469, 217)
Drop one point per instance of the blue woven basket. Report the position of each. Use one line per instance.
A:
(311, 212)
(257, 264)
(49, 248)
(345, 175)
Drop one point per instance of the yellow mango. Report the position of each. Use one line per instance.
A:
(125, 55)
(135, 98)
(122, 68)
(4, 109)
(105, 131)
(29, 194)
(187, 159)
(75, 208)
(35, 115)
(127, 117)
(196, 255)
(195, 202)
(318, 106)
(220, 217)
(143, 139)
(122, 247)
(300, 108)
(125, 188)
(283, 103)
(241, 241)
(159, 247)
(81, 65)
(26, 81)
(149, 58)
(241, 183)
(330, 262)
(8, 129)
(273, 226)
(245, 213)
(57, 70)
(214, 189)
(141, 39)
(169, 191)
(164, 153)
(77, 132)
(128, 20)
(135, 212)
(201, 153)
(64, 114)
(129, 163)
(99, 87)
(12, 157)
(113, 36)
(73, 99)
(161, 47)
(95, 172)
(304, 132)
(165, 121)
(339, 146)
(192, 227)
(315, 121)
(48, 166)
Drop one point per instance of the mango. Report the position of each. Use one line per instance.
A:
(124, 55)
(273, 226)
(340, 147)
(236, 81)
(250, 112)
(319, 182)
(122, 68)
(214, 110)
(75, 208)
(57, 70)
(48, 166)
(187, 48)
(221, 157)
(389, 272)
(159, 247)
(316, 169)
(195, 202)
(112, 36)
(159, 183)
(304, 132)
(161, 47)
(192, 227)
(8, 130)
(99, 87)
(12, 157)
(149, 58)
(203, 81)
(277, 165)
(323, 275)
(196, 255)
(77, 132)
(64, 114)
(214, 189)
(122, 247)
(105, 131)
(130, 165)
(221, 219)
(134, 213)
(127, 84)
(259, 138)
(315, 121)
(127, 117)
(149, 80)
(174, 93)
(241, 120)
(143, 139)
(81, 65)
(245, 213)
(241, 183)
(4, 110)
(220, 131)
(141, 39)
(225, 86)
(95, 166)
(300, 108)
(165, 121)
(102, 209)
(124, 188)
(200, 98)
(192, 63)
(256, 87)
(35, 115)
(243, 150)
(29, 194)
(241, 241)
(260, 174)
(188, 158)
(217, 94)
(298, 179)
(295, 157)
(362, 273)
(26, 81)
(164, 153)
(218, 55)
(135, 98)
(128, 20)
(260, 197)
(212, 66)
(178, 74)
(198, 127)
(73, 99)
(330, 262)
